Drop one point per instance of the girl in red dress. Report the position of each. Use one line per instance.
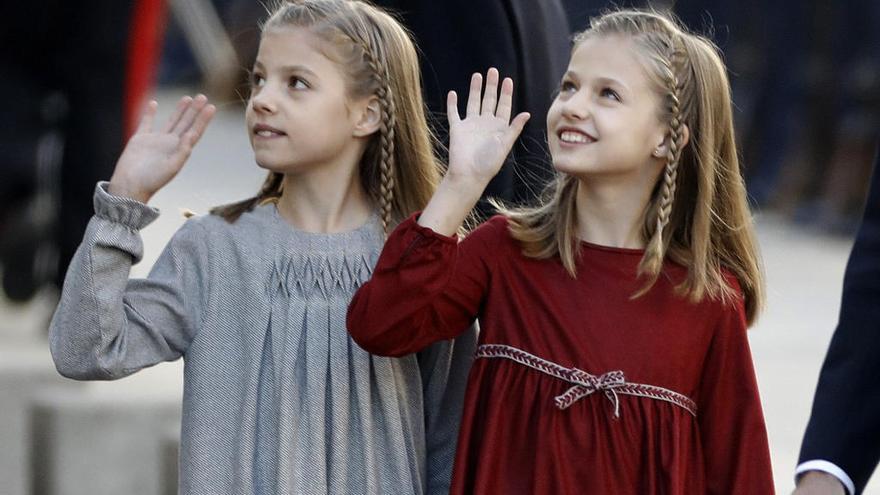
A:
(613, 355)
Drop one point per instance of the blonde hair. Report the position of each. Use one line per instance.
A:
(698, 214)
(398, 169)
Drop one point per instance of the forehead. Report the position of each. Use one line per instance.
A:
(295, 46)
(611, 57)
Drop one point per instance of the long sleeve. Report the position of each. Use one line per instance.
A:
(425, 288)
(731, 421)
(444, 367)
(844, 426)
(107, 326)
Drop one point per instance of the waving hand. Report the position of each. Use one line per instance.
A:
(153, 157)
(478, 145)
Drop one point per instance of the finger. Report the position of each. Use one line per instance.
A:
(201, 123)
(189, 116)
(473, 103)
(490, 95)
(452, 108)
(146, 124)
(516, 127)
(184, 149)
(182, 105)
(505, 102)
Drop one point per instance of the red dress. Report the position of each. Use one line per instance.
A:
(576, 389)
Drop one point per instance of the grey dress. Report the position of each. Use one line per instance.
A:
(277, 397)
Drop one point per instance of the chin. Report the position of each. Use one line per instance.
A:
(567, 166)
(272, 164)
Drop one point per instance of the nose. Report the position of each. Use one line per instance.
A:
(263, 99)
(576, 107)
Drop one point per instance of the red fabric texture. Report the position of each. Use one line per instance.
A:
(144, 47)
(513, 438)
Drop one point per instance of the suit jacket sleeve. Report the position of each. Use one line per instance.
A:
(844, 426)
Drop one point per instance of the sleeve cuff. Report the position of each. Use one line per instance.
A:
(125, 211)
(411, 224)
(827, 467)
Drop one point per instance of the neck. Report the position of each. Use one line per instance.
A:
(324, 200)
(611, 212)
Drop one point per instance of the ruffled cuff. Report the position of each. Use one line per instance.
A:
(126, 211)
(411, 238)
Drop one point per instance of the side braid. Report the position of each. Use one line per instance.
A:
(386, 135)
(676, 141)
(271, 189)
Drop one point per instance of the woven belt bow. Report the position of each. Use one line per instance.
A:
(611, 383)
(586, 384)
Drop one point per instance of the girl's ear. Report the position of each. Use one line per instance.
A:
(369, 118)
(663, 147)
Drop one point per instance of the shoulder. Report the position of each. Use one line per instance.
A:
(495, 225)
(731, 308)
(206, 233)
(732, 282)
(492, 233)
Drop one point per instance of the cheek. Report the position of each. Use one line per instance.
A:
(553, 111)
(552, 118)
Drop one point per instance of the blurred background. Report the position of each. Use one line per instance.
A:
(806, 89)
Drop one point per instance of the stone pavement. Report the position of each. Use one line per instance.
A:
(804, 273)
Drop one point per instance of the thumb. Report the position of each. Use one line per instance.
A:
(516, 127)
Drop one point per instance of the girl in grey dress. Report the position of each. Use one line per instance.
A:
(277, 397)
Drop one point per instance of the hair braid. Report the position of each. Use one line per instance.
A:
(271, 189)
(666, 197)
(387, 126)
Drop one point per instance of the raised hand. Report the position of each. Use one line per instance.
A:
(152, 157)
(479, 143)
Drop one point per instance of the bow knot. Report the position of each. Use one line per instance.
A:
(586, 384)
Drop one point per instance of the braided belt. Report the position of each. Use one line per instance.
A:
(611, 383)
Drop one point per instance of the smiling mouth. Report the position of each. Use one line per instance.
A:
(266, 131)
(575, 137)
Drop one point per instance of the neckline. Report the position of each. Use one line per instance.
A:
(612, 249)
(367, 229)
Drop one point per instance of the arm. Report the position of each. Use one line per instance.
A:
(844, 428)
(735, 447)
(440, 282)
(106, 327)
(425, 288)
(445, 367)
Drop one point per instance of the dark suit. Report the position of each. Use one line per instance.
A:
(844, 427)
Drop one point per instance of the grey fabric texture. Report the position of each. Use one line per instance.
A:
(277, 397)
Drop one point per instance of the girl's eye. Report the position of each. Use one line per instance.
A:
(257, 80)
(297, 83)
(567, 86)
(609, 93)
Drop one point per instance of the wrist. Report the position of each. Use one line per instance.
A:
(119, 188)
(820, 480)
(467, 186)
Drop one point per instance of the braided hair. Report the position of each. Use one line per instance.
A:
(398, 169)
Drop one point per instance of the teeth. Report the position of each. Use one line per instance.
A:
(266, 133)
(573, 137)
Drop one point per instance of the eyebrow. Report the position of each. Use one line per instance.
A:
(601, 80)
(290, 68)
(613, 82)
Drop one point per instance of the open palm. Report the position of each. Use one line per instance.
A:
(153, 157)
(479, 143)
